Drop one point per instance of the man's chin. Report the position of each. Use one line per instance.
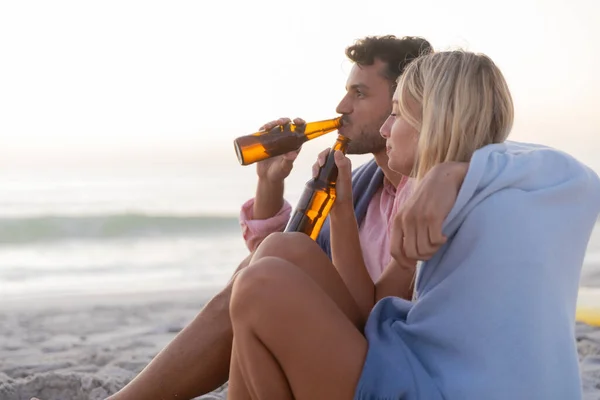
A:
(360, 149)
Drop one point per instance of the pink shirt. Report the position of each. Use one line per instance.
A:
(373, 232)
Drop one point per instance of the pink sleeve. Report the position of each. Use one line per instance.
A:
(255, 231)
(403, 192)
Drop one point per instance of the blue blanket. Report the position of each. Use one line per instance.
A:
(495, 307)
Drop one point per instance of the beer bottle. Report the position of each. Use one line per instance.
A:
(318, 196)
(280, 140)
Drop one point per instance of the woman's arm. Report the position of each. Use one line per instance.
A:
(346, 252)
(347, 257)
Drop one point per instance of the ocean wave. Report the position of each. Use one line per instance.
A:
(63, 227)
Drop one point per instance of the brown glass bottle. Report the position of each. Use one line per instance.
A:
(280, 140)
(318, 196)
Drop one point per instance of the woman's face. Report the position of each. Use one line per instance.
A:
(401, 137)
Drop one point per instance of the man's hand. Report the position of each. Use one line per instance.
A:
(417, 227)
(276, 169)
(271, 174)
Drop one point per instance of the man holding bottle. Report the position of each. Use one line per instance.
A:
(197, 360)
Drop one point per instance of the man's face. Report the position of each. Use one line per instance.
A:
(365, 107)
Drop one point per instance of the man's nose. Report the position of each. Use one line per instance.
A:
(344, 107)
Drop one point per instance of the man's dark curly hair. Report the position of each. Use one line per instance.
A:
(395, 52)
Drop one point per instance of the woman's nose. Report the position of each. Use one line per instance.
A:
(385, 129)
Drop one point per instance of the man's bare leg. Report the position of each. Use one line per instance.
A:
(196, 361)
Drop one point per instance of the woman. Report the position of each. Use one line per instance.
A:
(494, 309)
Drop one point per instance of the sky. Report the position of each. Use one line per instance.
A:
(120, 81)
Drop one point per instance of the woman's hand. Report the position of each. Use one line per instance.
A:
(343, 184)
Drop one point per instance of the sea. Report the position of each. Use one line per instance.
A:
(107, 230)
(101, 227)
(110, 229)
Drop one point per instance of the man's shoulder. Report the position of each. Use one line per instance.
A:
(366, 180)
(368, 169)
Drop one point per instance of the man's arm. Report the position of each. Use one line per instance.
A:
(269, 198)
(268, 212)
(255, 230)
(397, 280)
(272, 173)
(417, 227)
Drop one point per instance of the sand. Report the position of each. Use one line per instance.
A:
(87, 348)
(74, 348)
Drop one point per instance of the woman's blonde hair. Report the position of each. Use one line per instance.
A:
(464, 104)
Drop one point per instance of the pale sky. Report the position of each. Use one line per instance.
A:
(83, 80)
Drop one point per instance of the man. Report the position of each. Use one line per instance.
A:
(197, 360)
(378, 62)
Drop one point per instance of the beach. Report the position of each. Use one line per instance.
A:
(121, 192)
(76, 348)
(87, 348)
(99, 270)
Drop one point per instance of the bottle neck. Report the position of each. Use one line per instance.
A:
(319, 128)
(341, 144)
(328, 172)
